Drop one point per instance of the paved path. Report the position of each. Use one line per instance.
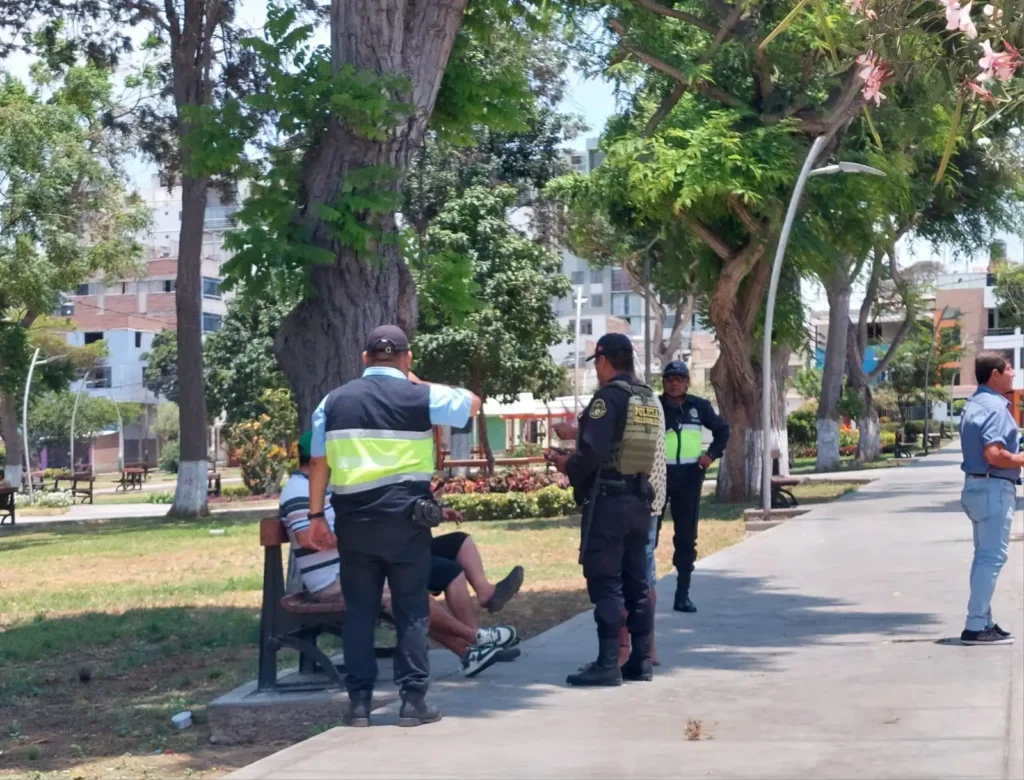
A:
(815, 654)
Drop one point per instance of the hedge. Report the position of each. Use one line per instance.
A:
(551, 501)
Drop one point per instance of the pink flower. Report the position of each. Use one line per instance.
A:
(999, 65)
(959, 17)
(993, 13)
(856, 6)
(983, 93)
(873, 74)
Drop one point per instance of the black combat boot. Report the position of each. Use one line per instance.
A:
(682, 601)
(639, 667)
(605, 670)
(359, 706)
(416, 712)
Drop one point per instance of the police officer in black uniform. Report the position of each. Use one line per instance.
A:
(617, 437)
(686, 416)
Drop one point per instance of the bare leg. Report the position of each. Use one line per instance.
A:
(443, 622)
(472, 564)
(457, 599)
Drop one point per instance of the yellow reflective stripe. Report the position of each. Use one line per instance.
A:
(373, 461)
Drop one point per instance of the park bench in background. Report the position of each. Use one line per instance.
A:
(904, 446)
(7, 504)
(213, 484)
(146, 468)
(131, 479)
(82, 484)
(294, 621)
(782, 496)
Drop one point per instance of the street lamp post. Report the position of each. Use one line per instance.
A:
(806, 172)
(24, 417)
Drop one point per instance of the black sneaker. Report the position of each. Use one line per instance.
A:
(478, 658)
(1001, 632)
(986, 637)
(506, 589)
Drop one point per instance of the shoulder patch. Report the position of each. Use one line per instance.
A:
(598, 409)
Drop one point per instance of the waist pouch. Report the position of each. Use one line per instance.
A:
(427, 512)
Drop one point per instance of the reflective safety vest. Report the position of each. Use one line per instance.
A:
(380, 446)
(683, 444)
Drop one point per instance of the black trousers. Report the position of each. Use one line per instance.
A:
(615, 565)
(684, 486)
(398, 550)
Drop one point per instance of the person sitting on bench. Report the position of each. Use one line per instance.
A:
(320, 572)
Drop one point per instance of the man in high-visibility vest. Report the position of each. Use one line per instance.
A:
(685, 418)
(373, 439)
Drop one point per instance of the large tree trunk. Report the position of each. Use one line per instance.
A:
(12, 438)
(321, 340)
(869, 444)
(485, 441)
(190, 494)
(838, 289)
(780, 434)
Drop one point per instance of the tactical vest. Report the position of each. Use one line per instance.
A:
(380, 446)
(635, 450)
(683, 436)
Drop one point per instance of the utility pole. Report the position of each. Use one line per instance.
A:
(647, 317)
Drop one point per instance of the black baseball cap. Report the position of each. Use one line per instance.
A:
(387, 339)
(612, 344)
(676, 368)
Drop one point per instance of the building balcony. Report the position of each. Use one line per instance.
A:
(1003, 338)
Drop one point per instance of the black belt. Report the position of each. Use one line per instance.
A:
(992, 476)
(624, 486)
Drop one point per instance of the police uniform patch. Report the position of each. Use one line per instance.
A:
(646, 415)
(598, 409)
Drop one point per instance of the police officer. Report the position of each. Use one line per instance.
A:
(618, 435)
(373, 438)
(685, 418)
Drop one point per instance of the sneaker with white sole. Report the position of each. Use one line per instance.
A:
(478, 658)
(502, 636)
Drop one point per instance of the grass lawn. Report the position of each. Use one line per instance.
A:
(109, 628)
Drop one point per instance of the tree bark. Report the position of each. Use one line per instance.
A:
(321, 340)
(13, 465)
(838, 289)
(190, 493)
(485, 441)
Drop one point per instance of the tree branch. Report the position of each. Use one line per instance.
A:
(717, 244)
(663, 110)
(664, 10)
(750, 222)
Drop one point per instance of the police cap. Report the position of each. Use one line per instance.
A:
(387, 339)
(676, 368)
(612, 344)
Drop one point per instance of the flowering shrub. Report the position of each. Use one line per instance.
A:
(50, 500)
(264, 445)
(551, 501)
(522, 480)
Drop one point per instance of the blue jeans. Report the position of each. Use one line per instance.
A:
(989, 503)
(652, 540)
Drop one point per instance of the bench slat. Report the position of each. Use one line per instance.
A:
(272, 533)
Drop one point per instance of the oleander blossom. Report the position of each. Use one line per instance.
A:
(874, 74)
(998, 64)
(958, 17)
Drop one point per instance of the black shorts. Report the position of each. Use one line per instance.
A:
(443, 565)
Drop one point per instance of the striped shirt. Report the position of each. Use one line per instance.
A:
(318, 569)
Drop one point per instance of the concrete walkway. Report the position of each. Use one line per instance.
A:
(817, 652)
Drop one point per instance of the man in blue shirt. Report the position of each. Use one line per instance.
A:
(992, 466)
(373, 447)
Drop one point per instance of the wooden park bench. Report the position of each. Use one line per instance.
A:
(7, 504)
(146, 468)
(213, 484)
(904, 446)
(82, 484)
(782, 496)
(131, 479)
(295, 621)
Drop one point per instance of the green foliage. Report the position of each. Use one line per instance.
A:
(551, 501)
(801, 425)
(236, 491)
(958, 406)
(1009, 290)
(170, 456)
(163, 497)
(161, 373)
(167, 423)
(500, 347)
(263, 443)
(807, 382)
(923, 352)
(49, 418)
(887, 441)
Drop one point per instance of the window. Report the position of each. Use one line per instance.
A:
(620, 280)
(84, 289)
(586, 327)
(576, 277)
(211, 322)
(100, 377)
(169, 285)
(211, 288)
(620, 304)
(66, 310)
(138, 339)
(596, 300)
(874, 331)
(93, 337)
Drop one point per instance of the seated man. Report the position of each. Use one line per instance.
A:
(320, 572)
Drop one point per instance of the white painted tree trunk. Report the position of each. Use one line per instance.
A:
(828, 445)
(870, 447)
(190, 495)
(12, 474)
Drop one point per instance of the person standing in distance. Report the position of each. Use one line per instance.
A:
(685, 418)
(373, 447)
(615, 452)
(992, 463)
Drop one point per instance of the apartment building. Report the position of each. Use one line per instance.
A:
(128, 313)
(967, 300)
